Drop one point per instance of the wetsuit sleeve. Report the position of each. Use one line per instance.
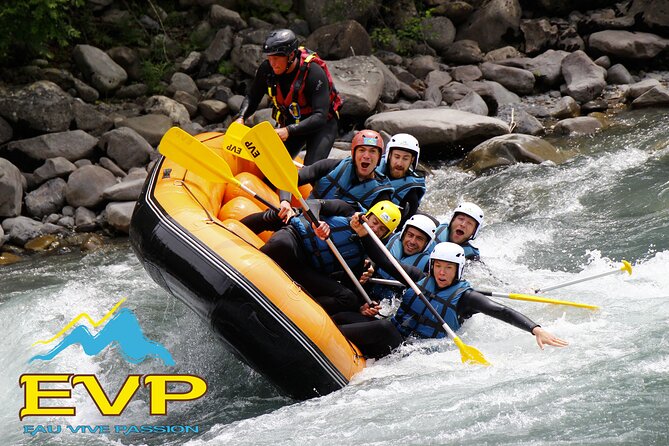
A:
(377, 256)
(385, 195)
(335, 207)
(473, 302)
(317, 92)
(256, 91)
(311, 174)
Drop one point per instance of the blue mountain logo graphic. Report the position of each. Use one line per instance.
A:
(123, 331)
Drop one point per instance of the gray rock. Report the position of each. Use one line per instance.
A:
(603, 62)
(585, 80)
(221, 17)
(506, 150)
(89, 119)
(119, 214)
(183, 82)
(499, 54)
(435, 80)
(515, 79)
(527, 124)
(491, 23)
(596, 105)
(187, 101)
(46, 199)
(235, 103)
(71, 145)
(472, 103)
(438, 126)
(408, 92)
(213, 110)
(20, 230)
(100, 70)
(438, 32)
(494, 94)
(168, 107)
(218, 49)
(68, 211)
(628, 45)
(454, 91)
(248, 58)
(66, 222)
(546, 67)
(52, 168)
(43, 106)
(618, 75)
(124, 191)
(126, 147)
(655, 97)
(359, 82)
(340, 40)
(391, 85)
(131, 91)
(86, 185)
(420, 66)
(85, 91)
(462, 52)
(191, 62)
(639, 88)
(566, 107)
(583, 125)
(6, 131)
(84, 219)
(466, 73)
(129, 60)
(151, 127)
(539, 34)
(111, 166)
(11, 189)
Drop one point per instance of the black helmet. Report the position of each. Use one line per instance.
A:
(282, 42)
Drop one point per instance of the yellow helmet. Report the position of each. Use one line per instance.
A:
(388, 214)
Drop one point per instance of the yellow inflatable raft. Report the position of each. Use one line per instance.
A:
(186, 233)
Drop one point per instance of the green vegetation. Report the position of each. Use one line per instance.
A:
(31, 27)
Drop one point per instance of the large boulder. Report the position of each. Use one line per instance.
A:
(47, 199)
(438, 32)
(340, 40)
(247, 58)
(506, 150)
(491, 23)
(517, 80)
(438, 126)
(585, 80)
(391, 85)
(151, 127)
(169, 107)
(71, 145)
(119, 215)
(11, 189)
(86, 185)
(42, 106)
(99, 69)
(653, 13)
(126, 147)
(52, 168)
(628, 45)
(655, 97)
(546, 67)
(582, 125)
(360, 83)
(21, 229)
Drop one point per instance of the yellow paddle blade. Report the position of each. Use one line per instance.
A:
(185, 150)
(547, 300)
(233, 141)
(627, 266)
(271, 157)
(469, 354)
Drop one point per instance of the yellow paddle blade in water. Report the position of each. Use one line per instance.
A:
(185, 150)
(469, 354)
(271, 156)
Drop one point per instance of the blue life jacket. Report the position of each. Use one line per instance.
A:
(413, 316)
(341, 234)
(403, 185)
(343, 183)
(441, 235)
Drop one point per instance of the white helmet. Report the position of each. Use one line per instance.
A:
(406, 142)
(449, 252)
(424, 224)
(471, 210)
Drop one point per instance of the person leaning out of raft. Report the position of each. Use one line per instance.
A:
(400, 166)
(304, 99)
(463, 227)
(299, 248)
(448, 292)
(352, 179)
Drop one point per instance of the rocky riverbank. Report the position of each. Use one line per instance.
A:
(485, 79)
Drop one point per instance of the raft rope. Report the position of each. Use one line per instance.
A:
(216, 222)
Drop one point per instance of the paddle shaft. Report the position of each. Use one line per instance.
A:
(256, 196)
(626, 267)
(529, 298)
(411, 283)
(312, 218)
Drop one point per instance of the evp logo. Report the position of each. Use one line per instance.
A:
(118, 329)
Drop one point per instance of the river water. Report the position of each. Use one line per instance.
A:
(545, 224)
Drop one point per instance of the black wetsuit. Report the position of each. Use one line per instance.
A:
(287, 249)
(318, 130)
(377, 338)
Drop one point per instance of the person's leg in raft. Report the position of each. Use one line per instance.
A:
(320, 143)
(375, 339)
(267, 220)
